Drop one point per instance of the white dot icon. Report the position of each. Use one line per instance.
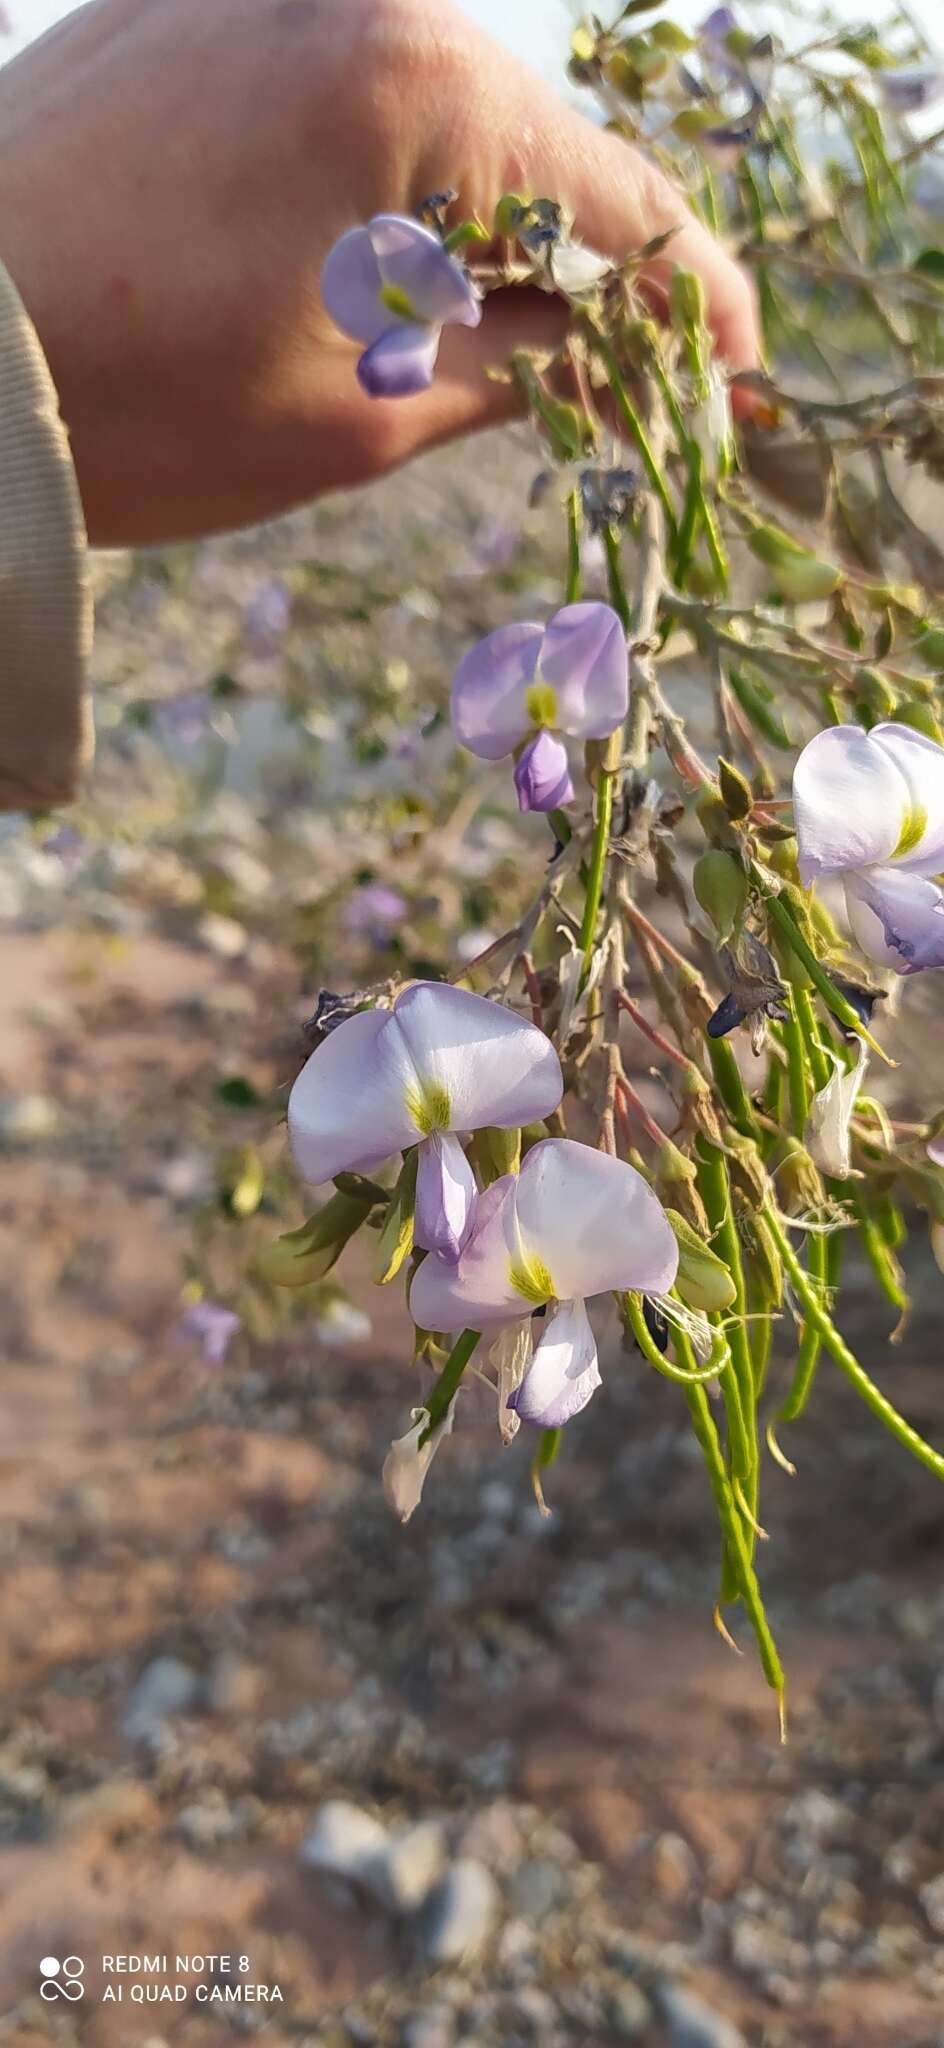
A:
(49, 1967)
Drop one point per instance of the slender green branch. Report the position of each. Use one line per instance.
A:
(573, 546)
(781, 916)
(447, 1385)
(598, 852)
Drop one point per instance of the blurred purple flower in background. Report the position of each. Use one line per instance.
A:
(528, 683)
(211, 1326)
(267, 616)
(374, 911)
(185, 720)
(393, 286)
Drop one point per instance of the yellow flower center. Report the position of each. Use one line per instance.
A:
(398, 301)
(429, 1106)
(541, 702)
(912, 831)
(530, 1278)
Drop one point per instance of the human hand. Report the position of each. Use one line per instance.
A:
(171, 180)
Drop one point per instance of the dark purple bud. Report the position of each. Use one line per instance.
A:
(862, 1000)
(542, 774)
(726, 1017)
(656, 1323)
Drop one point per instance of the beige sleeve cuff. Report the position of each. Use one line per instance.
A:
(45, 598)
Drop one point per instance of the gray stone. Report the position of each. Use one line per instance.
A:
(433, 2027)
(347, 1844)
(629, 2013)
(461, 1913)
(693, 2024)
(538, 2011)
(932, 1899)
(413, 1863)
(537, 1889)
(166, 1687)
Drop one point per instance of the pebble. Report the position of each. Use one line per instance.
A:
(693, 2024)
(349, 1844)
(674, 1868)
(461, 1913)
(537, 1889)
(413, 1863)
(433, 2027)
(166, 1687)
(27, 1119)
(932, 1899)
(629, 2013)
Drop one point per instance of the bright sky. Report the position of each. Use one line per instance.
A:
(534, 28)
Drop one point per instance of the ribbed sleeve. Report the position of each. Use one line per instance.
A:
(45, 601)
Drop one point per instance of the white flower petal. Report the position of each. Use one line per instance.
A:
(592, 1222)
(564, 1371)
(850, 802)
(576, 269)
(445, 1196)
(827, 1127)
(348, 1110)
(479, 1290)
(486, 1064)
(510, 1355)
(407, 1462)
(897, 918)
(921, 762)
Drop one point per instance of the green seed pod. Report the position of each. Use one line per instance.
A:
(799, 575)
(720, 886)
(703, 1280)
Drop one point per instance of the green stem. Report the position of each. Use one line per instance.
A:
(573, 546)
(682, 1375)
(742, 1413)
(636, 430)
(786, 924)
(446, 1387)
(598, 853)
(820, 1067)
(839, 1350)
(811, 1340)
(735, 1542)
(797, 1080)
(731, 1088)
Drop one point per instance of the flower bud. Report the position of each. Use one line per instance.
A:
(720, 886)
(737, 795)
(921, 718)
(702, 1280)
(687, 302)
(798, 1180)
(874, 690)
(799, 575)
(508, 213)
(714, 820)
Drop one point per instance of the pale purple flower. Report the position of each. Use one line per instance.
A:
(935, 1150)
(713, 41)
(542, 774)
(268, 616)
(185, 720)
(440, 1062)
(393, 286)
(374, 911)
(910, 92)
(869, 809)
(67, 846)
(211, 1326)
(574, 1222)
(528, 681)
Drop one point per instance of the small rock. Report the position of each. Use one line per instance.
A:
(27, 1119)
(221, 935)
(461, 1913)
(433, 2027)
(538, 2011)
(693, 2024)
(493, 1836)
(674, 1868)
(234, 1685)
(537, 1889)
(414, 1863)
(166, 1687)
(629, 2013)
(349, 1844)
(932, 1899)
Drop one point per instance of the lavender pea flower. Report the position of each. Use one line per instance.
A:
(869, 809)
(439, 1063)
(393, 286)
(524, 685)
(574, 1222)
(212, 1326)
